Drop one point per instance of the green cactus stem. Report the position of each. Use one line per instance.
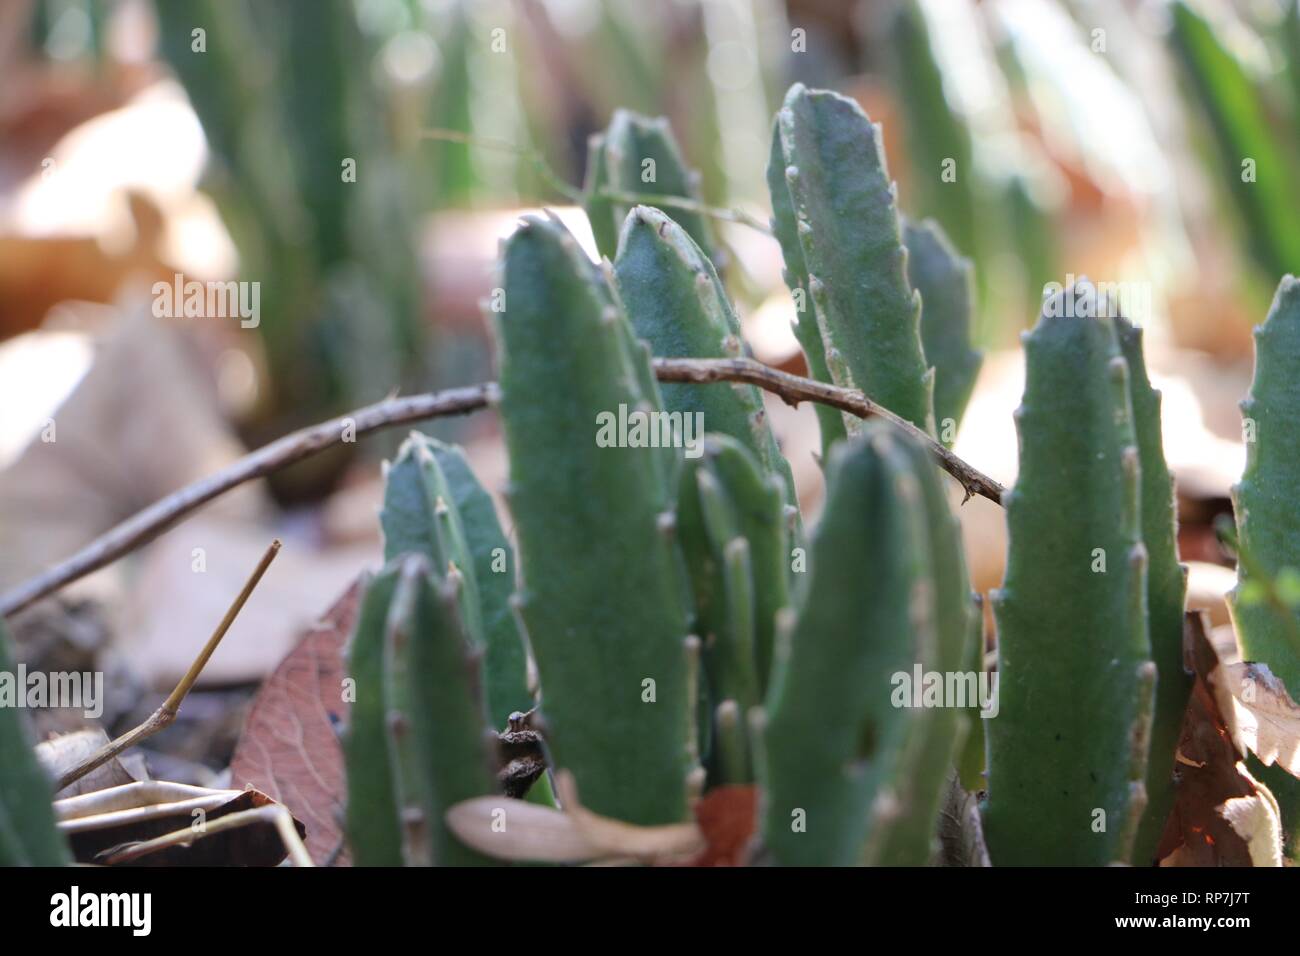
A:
(1268, 525)
(836, 751)
(601, 590)
(435, 506)
(1067, 752)
(1166, 595)
(911, 839)
(371, 819)
(786, 229)
(418, 738)
(638, 155)
(849, 233)
(943, 278)
(733, 538)
(677, 304)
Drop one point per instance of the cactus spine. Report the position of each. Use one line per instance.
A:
(944, 280)
(677, 304)
(848, 229)
(434, 506)
(1166, 595)
(837, 749)
(28, 836)
(601, 594)
(1067, 753)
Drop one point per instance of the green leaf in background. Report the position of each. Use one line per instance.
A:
(937, 137)
(1244, 133)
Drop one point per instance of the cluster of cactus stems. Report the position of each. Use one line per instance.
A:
(685, 632)
(668, 626)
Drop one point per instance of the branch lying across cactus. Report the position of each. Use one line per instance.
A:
(677, 305)
(146, 525)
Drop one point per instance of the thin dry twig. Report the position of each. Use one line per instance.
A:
(792, 389)
(166, 713)
(163, 514)
(146, 525)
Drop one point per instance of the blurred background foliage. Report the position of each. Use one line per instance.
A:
(1130, 140)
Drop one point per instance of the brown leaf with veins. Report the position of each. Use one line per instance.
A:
(1221, 813)
(290, 746)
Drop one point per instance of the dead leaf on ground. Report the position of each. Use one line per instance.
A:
(142, 422)
(1260, 714)
(290, 747)
(574, 835)
(108, 821)
(728, 818)
(1222, 816)
(61, 753)
(961, 829)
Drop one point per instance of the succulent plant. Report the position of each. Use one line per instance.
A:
(686, 638)
(658, 625)
(1267, 521)
(1068, 750)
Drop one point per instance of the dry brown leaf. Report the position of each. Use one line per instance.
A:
(1216, 817)
(290, 747)
(728, 818)
(961, 830)
(1258, 821)
(107, 821)
(61, 753)
(144, 395)
(510, 829)
(1259, 713)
